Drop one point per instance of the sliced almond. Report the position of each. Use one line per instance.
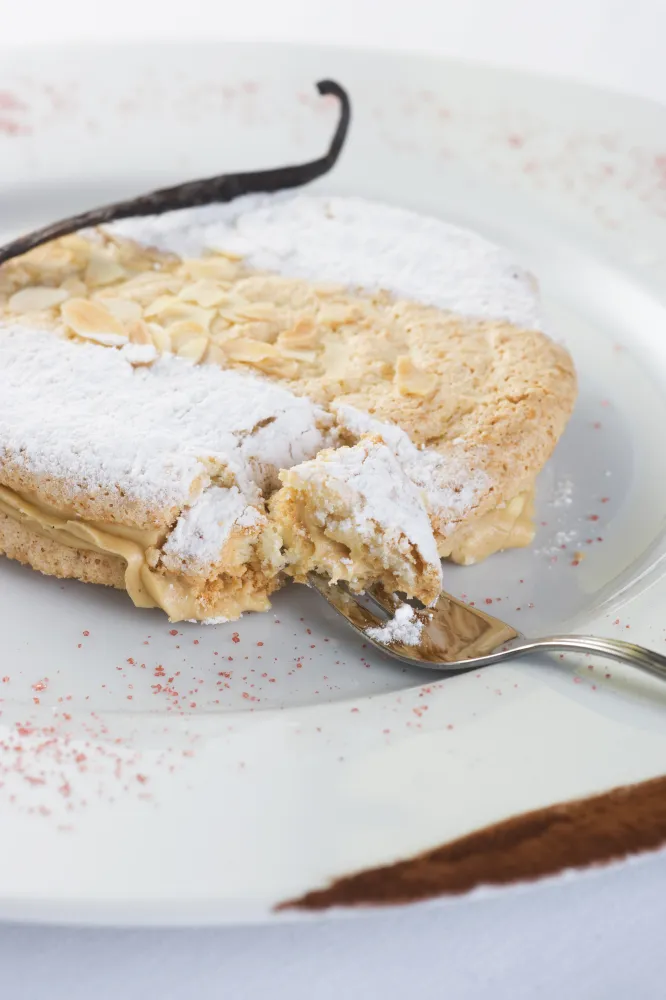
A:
(139, 333)
(281, 367)
(161, 338)
(412, 381)
(250, 351)
(335, 315)
(161, 302)
(93, 321)
(37, 297)
(103, 270)
(50, 257)
(74, 287)
(193, 350)
(186, 330)
(216, 268)
(203, 293)
(176, 311)
(302, 336)
(215, 356)
(220, 325)
(260, 355)
(125, 310)
(149, 293)
(265, 311)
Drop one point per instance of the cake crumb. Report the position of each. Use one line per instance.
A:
(404, 627)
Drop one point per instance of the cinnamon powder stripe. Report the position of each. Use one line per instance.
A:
(592, 831)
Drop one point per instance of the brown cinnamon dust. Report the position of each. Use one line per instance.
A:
(591, 831)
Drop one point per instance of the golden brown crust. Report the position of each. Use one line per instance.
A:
(95, 504)
(49, 557)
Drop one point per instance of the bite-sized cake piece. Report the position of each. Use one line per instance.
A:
(352, 514)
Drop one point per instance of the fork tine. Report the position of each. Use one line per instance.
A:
(346, 604)
(386, 601)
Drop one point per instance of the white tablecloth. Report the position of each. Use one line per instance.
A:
(598, 937)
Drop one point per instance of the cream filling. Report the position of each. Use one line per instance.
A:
(146, 588)
(502, 528)
(508, 527)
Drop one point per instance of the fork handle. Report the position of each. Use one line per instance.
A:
(615, 649)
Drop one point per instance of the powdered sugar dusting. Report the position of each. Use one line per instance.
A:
(370, 481)
(404, 627)
(201, 531)
(355, 242)
(449, 487)
(83, 415)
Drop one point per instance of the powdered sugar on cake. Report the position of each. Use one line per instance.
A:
(82, 414)
(449, 487)
(202, 531)
(369, 480)
(358, 243)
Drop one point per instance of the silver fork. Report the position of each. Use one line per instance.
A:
(457, 637)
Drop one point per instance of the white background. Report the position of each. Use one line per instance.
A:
(595, 938)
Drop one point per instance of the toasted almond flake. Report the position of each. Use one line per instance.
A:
(213, 268)
(35, 298)
(79, 244)
(159, 304)
(91, 320)
(412, 381)
(139, 333)
(176, 311)
(266, 311)
(193, 350)
(103, 270)
(303, 335)
(74, 287)
(307, 356)
(203, 293)
(183, 331)
(104, 339)
(50, 257)
(161, 338)
(251, 351)
(335, 315)
(149, 292)
(124, 310)
(220, 325)
(280, 366)
(215, 356)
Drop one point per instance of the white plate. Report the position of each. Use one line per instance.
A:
(205, 776)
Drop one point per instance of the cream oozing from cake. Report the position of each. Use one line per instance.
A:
(357, 243)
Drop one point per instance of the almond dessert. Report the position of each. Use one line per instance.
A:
(197, 406)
